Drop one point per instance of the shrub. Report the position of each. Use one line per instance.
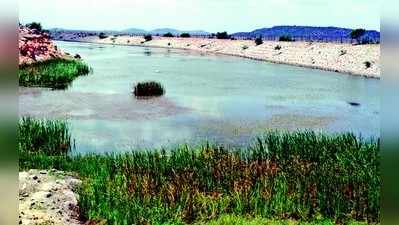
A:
(148, 37)
(285, 38)
(185, 35)
(278, 47)
(258, 41)
(102, 35)
(222, 35)
(34, 25)
(168, 35)
(149, 88)
(357, 34)
(343, 52)
(245, 47)
(367, 64)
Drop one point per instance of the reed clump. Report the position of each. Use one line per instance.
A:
(148, 89)
(53, 73)
(300, 176)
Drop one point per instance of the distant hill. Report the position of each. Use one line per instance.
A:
(134, 31)
(305, 31)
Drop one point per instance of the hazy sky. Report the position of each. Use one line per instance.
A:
(209, 15)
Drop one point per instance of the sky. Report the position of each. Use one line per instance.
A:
(210, 15)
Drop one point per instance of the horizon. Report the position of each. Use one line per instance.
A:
(199, 15)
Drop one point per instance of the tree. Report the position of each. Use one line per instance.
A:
(34, 25)
(168, 35)
(185, 35)
(357, 34)
(148, 37)
(222, 35)
(258, 41)
(102, 35)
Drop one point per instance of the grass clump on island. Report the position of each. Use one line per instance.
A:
(284, 178)
(148, 89)
(53, 73)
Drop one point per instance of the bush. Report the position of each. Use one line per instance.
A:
(357, 34)
(258, 41)
(34, 25)
(185, 35)
(148, 37)
(102, 35)
(278, 47)
(367, 64)
(222, 35)
(150, 88)
(245, 47)
(285, 38)
(168, 35)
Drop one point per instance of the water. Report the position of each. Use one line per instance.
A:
(215, 98)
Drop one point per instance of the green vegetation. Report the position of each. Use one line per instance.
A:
(240, 220)
(149, 88)
(357, 34)
(148, 37)
(53, 73)
(285, 38)
(299, 176)
(222, 35)
(185, 35)
(168, 35)
(102, 35)
(367, 64)
(258, 41)
(34, 25)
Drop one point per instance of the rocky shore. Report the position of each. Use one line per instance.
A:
(363, 60)
(48, 197)
(35, 45)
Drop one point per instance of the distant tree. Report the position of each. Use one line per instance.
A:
(258, 41)
(285, 38)
(168, 35)
(222, 35)
(148, 37)
(357, 34)
(102, 35)
(185, 35)
(34, 25)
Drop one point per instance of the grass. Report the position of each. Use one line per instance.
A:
(298, 176)
(147, 89)
(54, 73)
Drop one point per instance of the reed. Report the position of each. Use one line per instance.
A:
(300, 176)
(147, 89)
(53, 73)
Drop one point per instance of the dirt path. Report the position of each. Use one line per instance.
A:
(47, 197)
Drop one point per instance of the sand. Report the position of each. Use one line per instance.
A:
(337, 57)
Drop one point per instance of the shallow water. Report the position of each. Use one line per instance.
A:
(215, 98)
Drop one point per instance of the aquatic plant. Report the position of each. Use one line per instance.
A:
(50, 137)
(53, 73)
(300, 175)
(149, 88)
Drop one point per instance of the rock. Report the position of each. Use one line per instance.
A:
(354, 103)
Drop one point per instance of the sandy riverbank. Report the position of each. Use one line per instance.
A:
(342, 58)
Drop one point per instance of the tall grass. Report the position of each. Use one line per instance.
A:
(44, 136)
(299, 175)
(149, 88)
(54, 73)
